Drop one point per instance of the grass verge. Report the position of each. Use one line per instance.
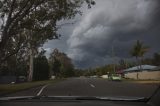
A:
(11, 88)
(147, 82)
(142, 81)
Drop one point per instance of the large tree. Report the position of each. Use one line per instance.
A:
(29, 23)
(34, 18)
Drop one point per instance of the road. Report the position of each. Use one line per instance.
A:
(91, 87)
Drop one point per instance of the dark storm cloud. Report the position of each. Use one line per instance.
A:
(118, 24)
(61, 43)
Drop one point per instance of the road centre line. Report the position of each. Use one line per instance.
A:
(92, 85)
(41, 90)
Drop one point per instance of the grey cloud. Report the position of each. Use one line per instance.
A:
(61, 44)
(117, 23)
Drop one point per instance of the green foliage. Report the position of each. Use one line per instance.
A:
(67, 71)
(61, 65)
(14, 66)
(41, 68)
(56, 67)
(138, 49)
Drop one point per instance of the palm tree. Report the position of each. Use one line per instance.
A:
(138, 51)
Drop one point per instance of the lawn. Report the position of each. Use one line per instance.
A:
(10, 88)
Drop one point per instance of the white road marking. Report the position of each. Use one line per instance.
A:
(92, 85)
(41, 90)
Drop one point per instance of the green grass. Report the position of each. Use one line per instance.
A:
(10, 88)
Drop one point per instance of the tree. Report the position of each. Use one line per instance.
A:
(41, 68)
(15, 65)
(29, 23)
(56, 67)
(61, 64)
(36, 17)
(138, 51)
(67, 68)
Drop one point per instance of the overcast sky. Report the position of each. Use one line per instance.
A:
(110, 23)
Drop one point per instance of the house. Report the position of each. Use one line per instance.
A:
(143, 72)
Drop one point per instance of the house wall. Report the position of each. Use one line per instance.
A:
(144, 75)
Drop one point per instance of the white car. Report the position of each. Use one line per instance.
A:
(115, 77)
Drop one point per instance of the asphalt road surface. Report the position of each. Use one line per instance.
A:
(91, 87)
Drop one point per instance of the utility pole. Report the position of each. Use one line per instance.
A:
(112, 55)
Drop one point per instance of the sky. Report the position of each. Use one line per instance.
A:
(107, 32)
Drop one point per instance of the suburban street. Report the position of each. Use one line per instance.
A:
(90, 87)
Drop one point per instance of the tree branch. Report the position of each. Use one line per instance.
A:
(21, 10)
(4, 33)
(13, 52)
(24, 13)
(11, 10)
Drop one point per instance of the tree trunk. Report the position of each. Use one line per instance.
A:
(30, 76)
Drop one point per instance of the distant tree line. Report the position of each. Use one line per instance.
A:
(58, 65)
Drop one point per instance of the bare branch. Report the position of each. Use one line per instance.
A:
(11, 10)
(19, 46)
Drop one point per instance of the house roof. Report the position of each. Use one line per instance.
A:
(143, 67)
